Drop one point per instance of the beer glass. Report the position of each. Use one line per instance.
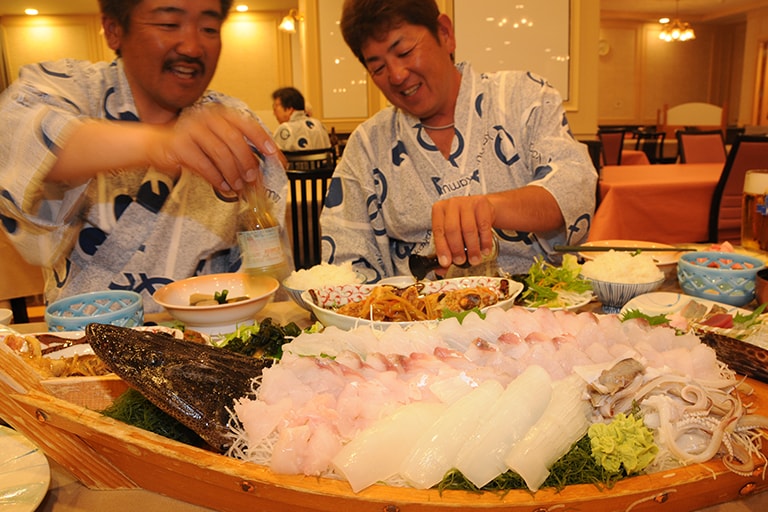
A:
(754, 211)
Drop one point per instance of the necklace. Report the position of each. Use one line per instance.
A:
(443, 127)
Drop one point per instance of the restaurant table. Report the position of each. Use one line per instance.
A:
(67, 494)
(661, 203)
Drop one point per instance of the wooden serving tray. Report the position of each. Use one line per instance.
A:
(106, 454)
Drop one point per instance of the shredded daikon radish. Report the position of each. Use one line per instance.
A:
(481, 459)
(438, 446)
(375, 454)
(565, 421)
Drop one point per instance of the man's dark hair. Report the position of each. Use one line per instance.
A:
(121, 10)
(362, 19)
(289, 98)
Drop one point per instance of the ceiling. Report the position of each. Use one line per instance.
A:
(703, 10)
(8, 7)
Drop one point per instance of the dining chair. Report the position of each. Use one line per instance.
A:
(652, 144)
(747, 152)
(311, 159)
(613, 143)
(307, 189)
(701, 146)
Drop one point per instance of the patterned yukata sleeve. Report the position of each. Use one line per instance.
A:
(37, 114)
(561, 163)
(350, 206)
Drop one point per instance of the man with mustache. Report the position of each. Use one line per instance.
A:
(126, 175)
(458, 156)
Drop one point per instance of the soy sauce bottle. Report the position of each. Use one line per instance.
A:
(420, 265)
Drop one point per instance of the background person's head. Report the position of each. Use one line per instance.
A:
(169, 49)
(285, 101)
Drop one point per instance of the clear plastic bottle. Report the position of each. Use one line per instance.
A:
(260, 242)
(420, 265)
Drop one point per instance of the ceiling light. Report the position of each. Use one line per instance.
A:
(241, 8)
(30, 12)
(676, 30)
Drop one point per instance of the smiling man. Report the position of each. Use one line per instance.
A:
(125, 175)
(458, 156)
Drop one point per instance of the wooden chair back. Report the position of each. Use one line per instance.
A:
(311, 159)
(307, 189)
(747, 152)
(701, 146)
(652, 144)
(613, 143)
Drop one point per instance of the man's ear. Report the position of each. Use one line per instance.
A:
(446, 35)
(113, 32)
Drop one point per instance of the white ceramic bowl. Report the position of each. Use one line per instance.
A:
(295, 293)
(613, 296)
(330, 297)
(6, 316)
(219, 318)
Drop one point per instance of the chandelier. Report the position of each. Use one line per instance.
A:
(676, 30)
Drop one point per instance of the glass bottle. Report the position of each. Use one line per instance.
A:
(260, 242)
(420, 265)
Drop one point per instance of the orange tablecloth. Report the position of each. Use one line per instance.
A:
(634, 157)
(17, 277)
(660, 203)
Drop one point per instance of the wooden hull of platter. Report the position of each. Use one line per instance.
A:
(106, 454)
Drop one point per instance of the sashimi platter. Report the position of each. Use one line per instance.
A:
(511, 409)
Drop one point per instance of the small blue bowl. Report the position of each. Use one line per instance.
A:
(719, 276)
(114, 307)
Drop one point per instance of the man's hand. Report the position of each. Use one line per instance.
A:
(461, 223)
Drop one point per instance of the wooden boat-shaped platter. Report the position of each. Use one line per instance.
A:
(59, 416)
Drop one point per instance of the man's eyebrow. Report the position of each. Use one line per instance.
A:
(176, 10)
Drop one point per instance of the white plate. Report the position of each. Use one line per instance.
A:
(664, 303)
(24, 473)
(661, 257)
(568, 307)
(333, 296)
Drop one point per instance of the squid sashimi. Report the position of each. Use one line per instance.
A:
(375, 454)
(518, 408)
(438, 446)
(565, 421)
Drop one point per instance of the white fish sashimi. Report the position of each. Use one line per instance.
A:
(565, 421)
(481, 459)
(375, 454)
(438, 446)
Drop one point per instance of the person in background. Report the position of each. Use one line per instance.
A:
(298, 131)
(457, 156)
(125, 175)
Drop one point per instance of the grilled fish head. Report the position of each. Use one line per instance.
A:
(194, 383)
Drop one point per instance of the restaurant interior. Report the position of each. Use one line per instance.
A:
(672, 113)
(606, 58)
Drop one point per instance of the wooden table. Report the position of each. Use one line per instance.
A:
(659, 203)
(66, 494)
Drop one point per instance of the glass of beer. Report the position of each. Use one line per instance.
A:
(754, 211)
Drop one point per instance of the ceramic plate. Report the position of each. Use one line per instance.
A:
(334, 296)
(664, 303)
(24, 473)
(569, 306)
(661, 258)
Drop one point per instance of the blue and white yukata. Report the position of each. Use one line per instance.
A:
(127, 229)
(301, 133)
(510, 131)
